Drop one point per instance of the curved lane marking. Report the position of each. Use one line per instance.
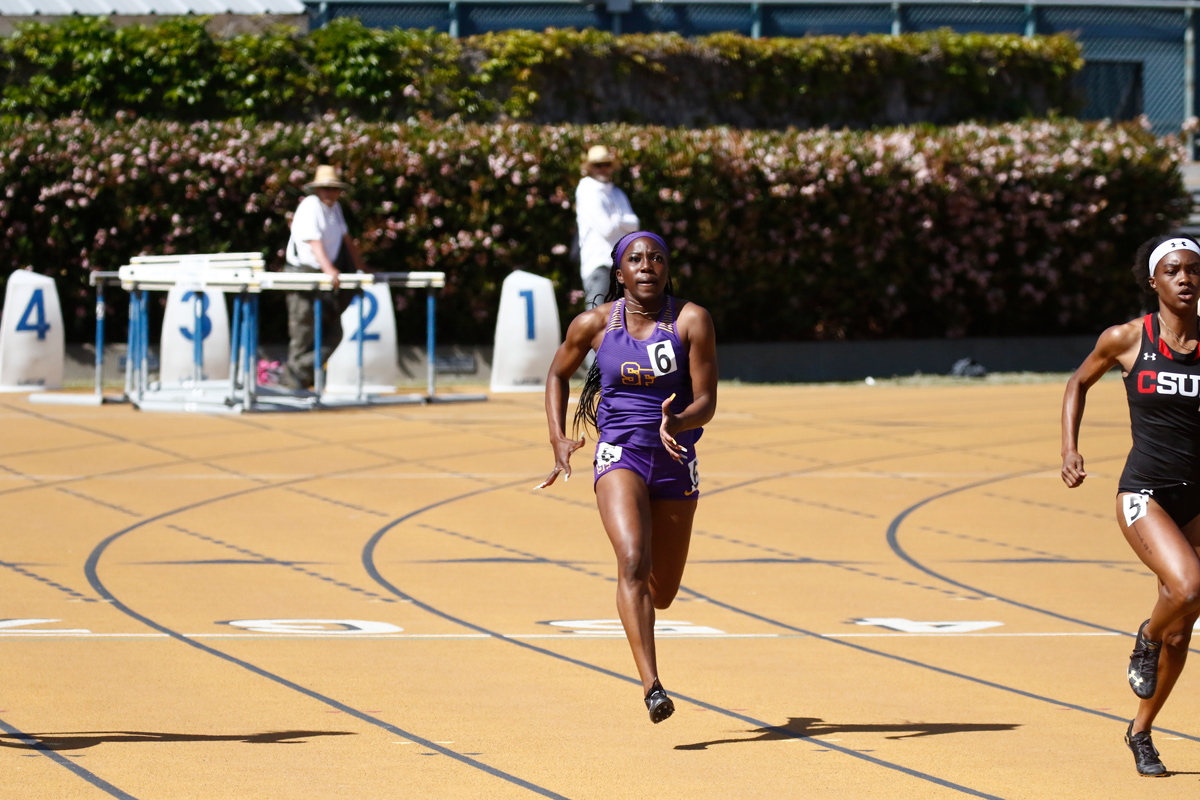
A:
(368, 559)
(368, 563)
(91, 569)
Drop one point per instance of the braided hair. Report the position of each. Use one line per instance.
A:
(589, 398)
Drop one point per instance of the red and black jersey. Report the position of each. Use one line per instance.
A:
(1163, 388)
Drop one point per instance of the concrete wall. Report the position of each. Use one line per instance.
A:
(804, 362)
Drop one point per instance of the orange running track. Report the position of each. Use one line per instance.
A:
(890, 594)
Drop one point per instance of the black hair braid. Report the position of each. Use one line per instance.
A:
(589, 398)
(1141, 260)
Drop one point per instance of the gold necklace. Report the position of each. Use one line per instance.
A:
(1178, 337)
(650, 314)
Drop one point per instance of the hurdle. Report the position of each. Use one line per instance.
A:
(243, 275)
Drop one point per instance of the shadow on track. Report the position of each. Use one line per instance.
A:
(809, 727)
(82, 740)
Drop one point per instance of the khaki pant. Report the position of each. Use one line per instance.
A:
(595, 287)
(302, 329)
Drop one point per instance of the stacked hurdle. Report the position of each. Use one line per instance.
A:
(244, 275)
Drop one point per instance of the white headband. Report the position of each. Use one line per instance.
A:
(1168, 246)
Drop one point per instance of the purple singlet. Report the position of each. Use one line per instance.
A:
(636, 376)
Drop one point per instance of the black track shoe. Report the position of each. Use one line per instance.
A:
(1145, 755)
(1143, 665)
(658, 704)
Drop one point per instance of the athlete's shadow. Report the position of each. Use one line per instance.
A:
(814, 726)
(80, 741)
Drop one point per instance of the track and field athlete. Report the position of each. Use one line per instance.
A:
(1158, 496)
(651, 389)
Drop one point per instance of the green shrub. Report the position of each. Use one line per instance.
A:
(177, 70)
(1014, 229)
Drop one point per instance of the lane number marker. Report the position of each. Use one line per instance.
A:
(612, 627)
(11, 626)
(333, 627)
(912, 626)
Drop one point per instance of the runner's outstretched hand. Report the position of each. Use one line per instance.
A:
(669, 420)
(563, 448)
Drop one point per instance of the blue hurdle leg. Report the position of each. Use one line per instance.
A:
(362, 335)
(145, 329)
(430, 341)
(197, 337)
(130, 345)
(235, 347)
(100, 339)
(318, 377)
(252, 350)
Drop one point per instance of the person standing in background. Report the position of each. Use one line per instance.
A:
(319, 241)
(603, 215)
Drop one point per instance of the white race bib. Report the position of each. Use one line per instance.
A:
(607, 454)
(662, 358)
(1135, 507)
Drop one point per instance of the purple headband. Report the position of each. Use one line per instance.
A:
(630, 238)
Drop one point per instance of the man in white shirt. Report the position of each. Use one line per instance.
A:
(318, 241)
(602, 215)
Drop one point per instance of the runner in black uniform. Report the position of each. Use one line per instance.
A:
(1158, 496)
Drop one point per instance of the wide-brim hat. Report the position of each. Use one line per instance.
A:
(327, 177)
(599, 154)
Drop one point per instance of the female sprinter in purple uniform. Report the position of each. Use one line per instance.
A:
(1158, 496)
(652, 387)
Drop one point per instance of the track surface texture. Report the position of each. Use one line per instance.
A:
(890, 593)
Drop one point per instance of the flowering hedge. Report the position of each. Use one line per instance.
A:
(177, 70)
(1012, 229)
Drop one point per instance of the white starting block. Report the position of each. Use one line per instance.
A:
(198, 345)
(195, 333)
(527, 333)
(367, 327)
(31, 334)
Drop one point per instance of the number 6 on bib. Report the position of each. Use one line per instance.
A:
(662, 358)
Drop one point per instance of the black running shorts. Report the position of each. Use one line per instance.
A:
(1181, 502)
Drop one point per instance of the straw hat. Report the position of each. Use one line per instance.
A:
(327, 177)
(599, 154)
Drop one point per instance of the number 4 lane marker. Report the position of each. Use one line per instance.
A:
(911, 626)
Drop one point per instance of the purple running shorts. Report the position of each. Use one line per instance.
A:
(666, 478)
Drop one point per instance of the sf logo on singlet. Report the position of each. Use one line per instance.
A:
(1151, 382)
(632, 374)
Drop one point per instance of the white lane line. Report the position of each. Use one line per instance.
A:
(565, 636)
(342, 635)
(956, 635)
(264, 476)
(179, 476)
(657, 635)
